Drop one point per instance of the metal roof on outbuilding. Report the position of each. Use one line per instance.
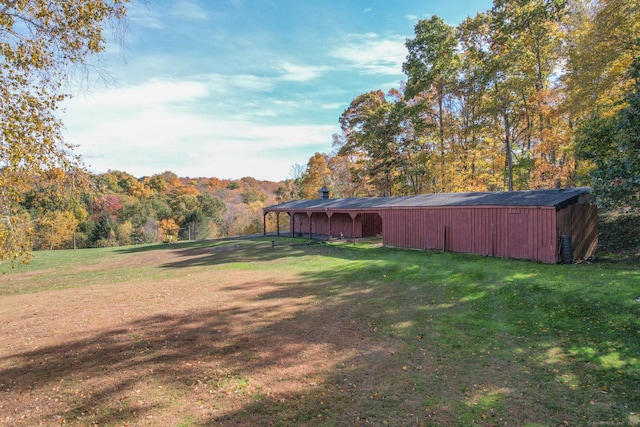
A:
(555, 197)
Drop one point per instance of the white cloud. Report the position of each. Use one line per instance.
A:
(230, 84)
(371, 54)
(284, 103)
(266, 113)
(333, 106)
(155, 92)
(149, 128)
(152, 92)
(416, 18)
(154, 141)
(300, 73)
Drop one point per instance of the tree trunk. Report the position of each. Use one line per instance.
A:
(509, 161)
(442, 141)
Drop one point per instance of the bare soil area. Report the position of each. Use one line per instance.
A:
(197, 347)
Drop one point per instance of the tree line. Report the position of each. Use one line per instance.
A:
(80, 210)
(529, 94)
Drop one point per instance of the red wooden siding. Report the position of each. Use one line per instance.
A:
(341, 223)
(371, 224)
(319, 223)
(300, 222)
(364, 224)
(523, 232)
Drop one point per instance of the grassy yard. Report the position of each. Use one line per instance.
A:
(238, 332)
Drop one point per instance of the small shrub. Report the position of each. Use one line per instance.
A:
(619, 231)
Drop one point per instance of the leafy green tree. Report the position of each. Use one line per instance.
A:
(612, 144)
(104, 232)
(251, 195)
(212, 207)
(195, 226)
(351, 143)
(40, 44)
(136, 211)
(108, 182)
(56, 208)
(365, 136)
(384, 141)
(49, 192)
(161, 207)
(158, 183)
(181, 206)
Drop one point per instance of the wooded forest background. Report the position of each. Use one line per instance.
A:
(530, 94)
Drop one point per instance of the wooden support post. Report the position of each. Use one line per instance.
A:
(353, 228)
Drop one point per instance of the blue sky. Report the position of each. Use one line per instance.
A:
(233, 88)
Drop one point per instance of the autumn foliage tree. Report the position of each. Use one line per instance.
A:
(316, 175)
(431, 66)
(601, 41)
(497, 102)
(378, 136)
(41, 45)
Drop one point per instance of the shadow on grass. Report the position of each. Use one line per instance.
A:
(171, 246)
(380, 337)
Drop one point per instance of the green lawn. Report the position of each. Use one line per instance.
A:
(442, 338)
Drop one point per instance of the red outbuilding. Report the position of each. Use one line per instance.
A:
(542, 225)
